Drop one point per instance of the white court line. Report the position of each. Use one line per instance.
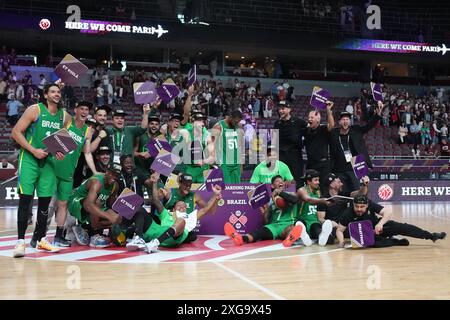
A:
(251, 282)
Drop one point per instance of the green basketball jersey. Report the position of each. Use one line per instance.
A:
(227, 145)
(287, 215)
(175, 196)
(82, 191)
(65, 169)
(308, 212)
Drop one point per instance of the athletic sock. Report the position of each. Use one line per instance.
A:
(41, 221)
(22, 214)
(166, 235)
(59, 232)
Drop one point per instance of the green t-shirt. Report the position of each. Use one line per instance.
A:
(263, 174)
(121, 142)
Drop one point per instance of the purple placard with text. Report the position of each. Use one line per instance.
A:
(70, 70)
(144, 92)
(319, 98)
(259, 196)
(361, 234)
(127, 204)
(165, 162)
(192, 76)
(60, 141)
(154, 146)
(168, 91)
(376, 91)
(215, 177)
(360, 166)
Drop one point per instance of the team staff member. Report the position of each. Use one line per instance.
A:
(317, 143)
(36, 166)
(228, 146)
(347, 141)
(121, 137)
(290, 140)
(384, 227)
(143, 158)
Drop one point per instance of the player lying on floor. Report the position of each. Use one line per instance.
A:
(385, 229)
(173, 228)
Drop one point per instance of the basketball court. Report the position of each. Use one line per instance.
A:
(213, 268)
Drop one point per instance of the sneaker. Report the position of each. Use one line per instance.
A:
(98, 241)
(438, 236)
(152, 246)
(327, 227)
(401, 242)
(61, 242)
(19, 249)
(45, 246)
(33, 243)
(293, 236)
(304, 235)
(81, 235)
(233, 234)
(136, 244)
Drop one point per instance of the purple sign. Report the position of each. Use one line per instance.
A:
(259, 196)
(234, 208)
(127, 203)
(432, 190)
(154, 146)
(359, 166)
(70, 70)
(168, 91)
(361, 234)
(165, 162)
(192, 76)
(376, 91)
(319, 98)
(60, 141)
(215, 177)
(144, 92)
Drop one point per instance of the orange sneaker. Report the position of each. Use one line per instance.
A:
(233, 234)
(292, 236)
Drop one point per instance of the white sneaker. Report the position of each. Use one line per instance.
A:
(152, 246)
(19, 249)
(136, 244)
(304, 236)
(327, 227)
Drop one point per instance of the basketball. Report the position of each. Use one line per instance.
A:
(281, 203)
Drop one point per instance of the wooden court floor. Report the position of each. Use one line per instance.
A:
(214, 269)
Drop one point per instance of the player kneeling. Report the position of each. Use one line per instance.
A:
(173, 228)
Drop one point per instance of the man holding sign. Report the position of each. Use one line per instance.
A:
(36, 165)
(385, 228)
(143, 158)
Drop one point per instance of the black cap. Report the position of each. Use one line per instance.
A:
(345, 114)
(154, 118)
(84, 103)
(331, 177)
(311, 173)
(198, 116)
(361, 199)
(91, 120)
(276, 177)
(104, 107)
(283, 103)
(119, 112)
(115, 168)
(103, 149)
(185, 177)
(176, 116)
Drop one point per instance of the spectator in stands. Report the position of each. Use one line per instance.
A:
(256, 106)
(99, 94)
(402, 133)
(349, 108)
(425, 133)
(290, 143)
(42, 83)
(434, 132)
(20, 92)
(3, 85)
(348, 141)
(213, 67)
(440, 94)
(6, 165)
(414, 130)
(13, 107)
(444, 131)
(269, 105)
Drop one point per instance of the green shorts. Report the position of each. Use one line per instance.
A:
(277, 228)
(156, 230)
(231, 174)
(34, 174)
(76, 210)
(64, 189)
(196, 172)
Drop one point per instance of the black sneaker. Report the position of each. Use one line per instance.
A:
(33, 243)
(438, 236)
(61, 242)
(403, 242)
